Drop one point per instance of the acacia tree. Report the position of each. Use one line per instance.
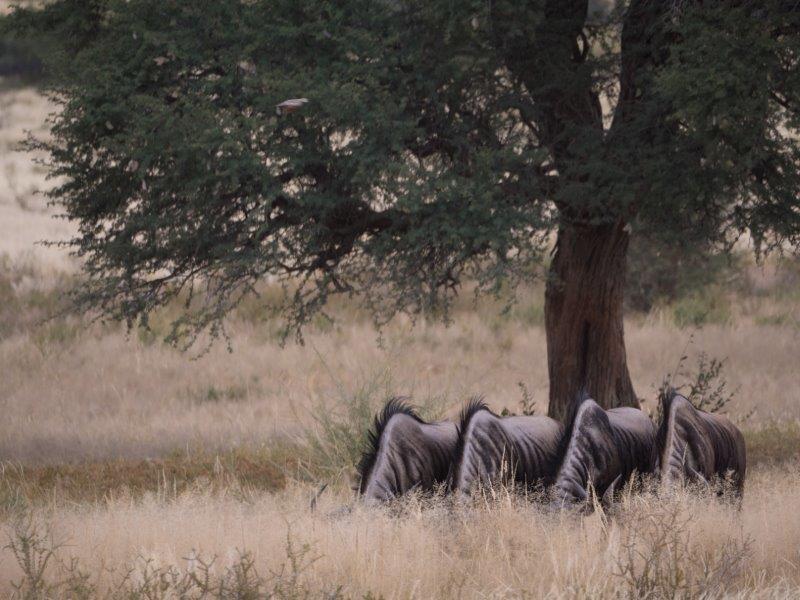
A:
(441, 142)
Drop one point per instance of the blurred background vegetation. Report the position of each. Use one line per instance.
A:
(681, 282)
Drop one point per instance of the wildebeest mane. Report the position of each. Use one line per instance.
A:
(569, 423)
(396, 405)
(665, 400)
(475, 405)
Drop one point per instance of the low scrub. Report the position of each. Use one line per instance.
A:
(334, 443)
(772, 444)
(658, 557)
(46, 574)
(236, 471)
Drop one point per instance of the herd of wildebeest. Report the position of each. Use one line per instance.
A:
(588, 459)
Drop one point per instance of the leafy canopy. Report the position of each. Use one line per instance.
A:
(441, 141)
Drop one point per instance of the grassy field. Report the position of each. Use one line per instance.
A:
(132, 470)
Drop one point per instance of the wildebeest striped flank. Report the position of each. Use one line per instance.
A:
(602, 449)
(694, 445)
(494, 449)
(405, 453)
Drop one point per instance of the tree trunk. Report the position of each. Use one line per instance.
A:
(583, 318)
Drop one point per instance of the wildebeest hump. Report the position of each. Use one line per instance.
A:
(603, 449)
(494, 449)
(405, 453)
(694, 444)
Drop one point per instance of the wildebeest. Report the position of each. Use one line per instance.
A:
(602, 449)
(694, 445)
(405, 453)
(492, 449)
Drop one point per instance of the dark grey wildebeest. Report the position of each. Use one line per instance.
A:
(494, 449)
(601, 451)
(405, 453)
(694, 445)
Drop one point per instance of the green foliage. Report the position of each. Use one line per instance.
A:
(338, 436)
(20, 60)
(333, 445)
(707, 305)
(441, 142)
(663, 270)
(706, 387)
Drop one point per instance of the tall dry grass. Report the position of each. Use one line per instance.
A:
(685, 546)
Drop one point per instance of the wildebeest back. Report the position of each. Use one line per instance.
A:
(405, 453)
(694, 444)
(603, 448)
(491, 448)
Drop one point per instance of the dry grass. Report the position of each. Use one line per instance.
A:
(91, 395)
(686, 546)
(23, 486)
(134, 455)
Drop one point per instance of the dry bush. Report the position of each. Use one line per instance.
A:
(44, 575)
(659, 559)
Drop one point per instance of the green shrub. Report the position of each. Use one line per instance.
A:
(338, 436)
(774, 443)
(662, 270)
(776, 320)
(708, 306)
(531, 314)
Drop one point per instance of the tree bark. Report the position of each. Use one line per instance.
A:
(583, 318)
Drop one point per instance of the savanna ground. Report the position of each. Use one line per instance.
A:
(133, 470)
